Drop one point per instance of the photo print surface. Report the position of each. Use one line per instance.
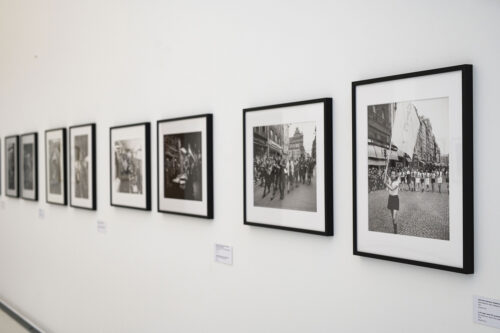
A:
(130, 166)
(288, 166)
(408, 168)
(412, 168)
(129, 156)
(55, 166)
(185, 166)
(284, 166)
(28, 166)
(82, 167)
(183, 178)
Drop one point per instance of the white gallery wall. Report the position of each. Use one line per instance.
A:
(116, 62)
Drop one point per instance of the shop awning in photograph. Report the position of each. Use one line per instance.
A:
(394, 156)
(373, 162)
(376, 152)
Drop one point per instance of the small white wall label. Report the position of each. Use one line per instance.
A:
(487, 311)
(41, 213)
(101, 227)
(224, 254)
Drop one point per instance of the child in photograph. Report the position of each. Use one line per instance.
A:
(439, 180)
(393, 201)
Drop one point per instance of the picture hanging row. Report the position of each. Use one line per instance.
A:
(184, 160)
(412, 167)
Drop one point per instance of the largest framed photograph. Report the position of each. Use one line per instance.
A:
(412, 168)
(12, 166)
(288, 176)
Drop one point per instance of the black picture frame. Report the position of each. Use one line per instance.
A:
(328, 166)
(467, 174)
(209, 158)
(64, 168)
(16, 169)
(93, 163)
(147, 171)
(35, 166)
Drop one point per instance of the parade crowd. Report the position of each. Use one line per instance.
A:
(183, 174)
(278, 173)
(429, 179)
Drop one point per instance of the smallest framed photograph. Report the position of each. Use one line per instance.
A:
(82, 167)
(0, 167)
(55, 166)
(185, 166)
(12, 166)
(29, 166)
(130, 166)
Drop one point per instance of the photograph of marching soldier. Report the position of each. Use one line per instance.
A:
(185, 166)
(284, 162)
(289, 166)
(407, 168)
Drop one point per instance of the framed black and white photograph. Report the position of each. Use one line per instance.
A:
(28, 164)
(1, 167)
(12, 166)
(82, 167)
(412, 168)
(185, 166)
(55, 166)
(130, 166)
(288, 176)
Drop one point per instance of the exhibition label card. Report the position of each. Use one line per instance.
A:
(487, 311)
(224, 254)
(101, 227)
(41, 213)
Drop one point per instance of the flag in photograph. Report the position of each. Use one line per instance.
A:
(405, 127)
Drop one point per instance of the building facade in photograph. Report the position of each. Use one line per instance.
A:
(269, 140)
(297, 144)
(426, 148)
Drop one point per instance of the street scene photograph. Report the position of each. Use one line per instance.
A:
(284, 166)
(183, 166)
(408, 168)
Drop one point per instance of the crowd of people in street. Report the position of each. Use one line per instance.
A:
(281, 173)
(183, 174)
(424, 179)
